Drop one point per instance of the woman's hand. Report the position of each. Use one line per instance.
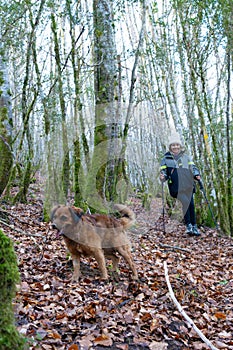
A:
(162, 177)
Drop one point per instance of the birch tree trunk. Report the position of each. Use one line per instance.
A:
(80, 140)
(100, 180)
(6, 154)
(197, 52)
(227, 11)
(28, 102)
(66, 161)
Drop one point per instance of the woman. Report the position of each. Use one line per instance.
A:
(179, 170)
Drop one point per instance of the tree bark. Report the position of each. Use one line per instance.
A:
(6, 154)
(100, 177)
(9, 277)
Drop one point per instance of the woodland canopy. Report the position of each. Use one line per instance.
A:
(91, 89)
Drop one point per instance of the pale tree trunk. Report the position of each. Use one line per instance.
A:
(227, 11)
(111, 129)
(121, 169)
(6, 154)
(197, 56)
(57, 167)
(132, 87)
(229, 146)
(106, 120)
(66, 161)
(27, 104)
(80, 143)
(190, 65)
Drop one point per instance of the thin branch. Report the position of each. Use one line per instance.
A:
(20, 231)
(66, 61)
(15, 216)
(188, 319)
(174, 247)
(7, 145)
(135, 65)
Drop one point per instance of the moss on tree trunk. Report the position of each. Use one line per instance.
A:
(9, 275)
(5, 152)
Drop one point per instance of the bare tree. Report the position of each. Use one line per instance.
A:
(6, 154)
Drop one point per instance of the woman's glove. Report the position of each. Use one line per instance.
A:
(162, 177)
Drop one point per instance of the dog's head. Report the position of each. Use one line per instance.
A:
(63, 218)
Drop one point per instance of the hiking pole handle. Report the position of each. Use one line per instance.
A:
(201, 185)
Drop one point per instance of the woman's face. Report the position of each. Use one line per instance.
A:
(175, 148)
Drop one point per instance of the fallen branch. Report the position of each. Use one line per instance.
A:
(19, 230)
(188, 319)
(123, 303)
(15, 216)
(174, 247)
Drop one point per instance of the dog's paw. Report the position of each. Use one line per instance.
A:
(104, 279)
(74, 279)
(134, 278)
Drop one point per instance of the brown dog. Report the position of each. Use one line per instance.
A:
(95, 235)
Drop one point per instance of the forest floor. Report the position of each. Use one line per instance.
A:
(54, 313)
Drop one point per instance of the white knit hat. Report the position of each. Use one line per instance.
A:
(174, 138)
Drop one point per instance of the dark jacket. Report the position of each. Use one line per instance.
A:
(179, 171)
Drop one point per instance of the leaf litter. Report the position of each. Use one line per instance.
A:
(54, 313)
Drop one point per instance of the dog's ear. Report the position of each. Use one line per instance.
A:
(77, 211)
(75, 216)
(53, 211)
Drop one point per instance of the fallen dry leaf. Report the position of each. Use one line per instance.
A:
(73, 347)
(122, 314)
(158, 346)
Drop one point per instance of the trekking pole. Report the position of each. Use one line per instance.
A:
(163, 203)
(211, 212)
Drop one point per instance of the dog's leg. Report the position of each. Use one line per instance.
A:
(125, 252)
(76, 266)
(99, 256)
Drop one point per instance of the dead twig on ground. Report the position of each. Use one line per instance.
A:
(174, 247)
(16, 217)
(188, 319)
(12, 227)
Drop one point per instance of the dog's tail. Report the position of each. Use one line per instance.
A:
(127, 215)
